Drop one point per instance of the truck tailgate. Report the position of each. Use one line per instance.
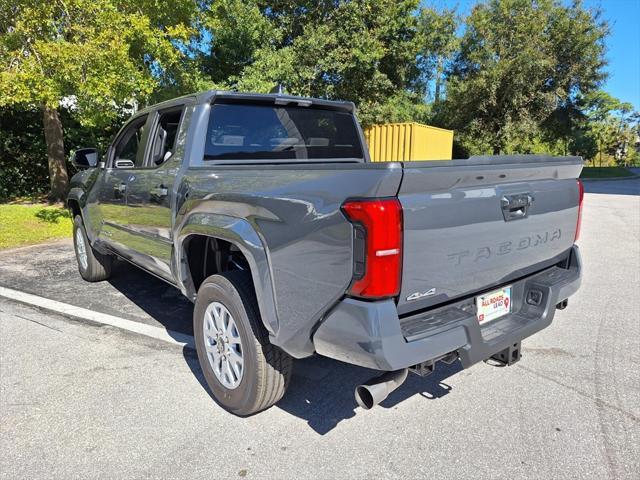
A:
(470, 225)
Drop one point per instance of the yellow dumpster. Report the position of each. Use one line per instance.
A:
(408, 141)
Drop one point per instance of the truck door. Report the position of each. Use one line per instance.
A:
(125, 157)
(150, 195)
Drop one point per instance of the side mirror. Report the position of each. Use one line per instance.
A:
(85, 158)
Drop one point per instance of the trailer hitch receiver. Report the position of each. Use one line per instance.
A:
(509, 355)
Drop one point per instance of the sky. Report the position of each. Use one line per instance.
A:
(623, 44)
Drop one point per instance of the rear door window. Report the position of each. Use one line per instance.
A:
(271, 132)
(164, 136)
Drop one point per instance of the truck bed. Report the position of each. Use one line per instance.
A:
(456, 240)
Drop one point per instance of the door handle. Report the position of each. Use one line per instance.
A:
(159, 191)
(124, 163)
(119, 189)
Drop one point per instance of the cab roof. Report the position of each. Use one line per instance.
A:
(222, 96)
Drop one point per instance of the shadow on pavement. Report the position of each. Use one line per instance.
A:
(321, 391)
(161, 301)
(325, 402)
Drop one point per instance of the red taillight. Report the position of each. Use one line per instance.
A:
(580, 199)
(377, 246)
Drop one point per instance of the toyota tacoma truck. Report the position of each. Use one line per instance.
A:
(266, 212)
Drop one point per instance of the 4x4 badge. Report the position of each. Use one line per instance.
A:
(417, 295)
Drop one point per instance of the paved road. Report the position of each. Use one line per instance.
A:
(52, 272)
(613, 187)
(81, 401)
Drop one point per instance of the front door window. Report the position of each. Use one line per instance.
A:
(129, 151)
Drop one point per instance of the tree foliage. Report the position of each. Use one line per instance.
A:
(439, 43)
(512, 76)
(519, 61)
(24, 170)
(365, 51)
(608, 130)
(95, 58)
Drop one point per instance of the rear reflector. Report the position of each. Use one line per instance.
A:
(580, 200)
(379, 223)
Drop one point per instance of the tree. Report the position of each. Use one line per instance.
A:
(95, 57)
(519, 62)
(610, 126)
(24, 171)
(439, 42)
(364, 51)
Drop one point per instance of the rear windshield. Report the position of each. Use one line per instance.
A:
(262, 132)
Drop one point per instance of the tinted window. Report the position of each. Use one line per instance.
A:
(252, 132)
(130, 146)
(164, 137)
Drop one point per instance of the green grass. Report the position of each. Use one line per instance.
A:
(605, 172)
(29, 224)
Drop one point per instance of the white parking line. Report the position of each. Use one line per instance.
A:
(157, 333)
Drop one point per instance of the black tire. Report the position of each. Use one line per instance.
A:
(267, 369)
(98, 266)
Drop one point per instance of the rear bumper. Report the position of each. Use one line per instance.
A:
(370, 334)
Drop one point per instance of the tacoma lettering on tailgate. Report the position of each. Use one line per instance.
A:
(504, 248)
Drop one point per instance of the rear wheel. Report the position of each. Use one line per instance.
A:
(244, 371)
(92, 265)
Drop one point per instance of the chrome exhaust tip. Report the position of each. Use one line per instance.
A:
(371, 393)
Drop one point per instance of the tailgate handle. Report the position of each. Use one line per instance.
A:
(515, 207)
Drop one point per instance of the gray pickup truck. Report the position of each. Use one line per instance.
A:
(266, 211)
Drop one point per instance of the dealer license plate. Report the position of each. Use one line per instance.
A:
(493, 304)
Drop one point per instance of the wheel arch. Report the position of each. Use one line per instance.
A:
(241, 236)
(74, 207)
(74, 201)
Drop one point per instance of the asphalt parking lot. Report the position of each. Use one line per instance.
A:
(80, 400)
